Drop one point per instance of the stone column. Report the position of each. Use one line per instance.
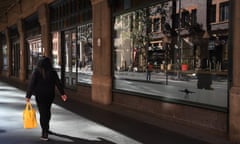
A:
(22, 50)
(234, 100)
(102, 78)
(43, 13)
(9, 51)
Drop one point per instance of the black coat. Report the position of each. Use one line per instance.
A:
(44, 88)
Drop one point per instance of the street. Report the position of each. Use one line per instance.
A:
(185, 90)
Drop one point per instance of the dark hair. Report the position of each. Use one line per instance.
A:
(44, 65)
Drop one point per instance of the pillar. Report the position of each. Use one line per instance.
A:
(102, 78)
(43, 13)
(22, 51)
(234, 100)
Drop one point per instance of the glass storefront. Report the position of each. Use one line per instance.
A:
(70, 23)
(77, 55)
(187, 48)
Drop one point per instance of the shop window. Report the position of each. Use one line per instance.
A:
(69, 13)
(72, 48)
(186, 68)
(73, 58)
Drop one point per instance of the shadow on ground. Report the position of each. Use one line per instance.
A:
(140, 131)
(65, 139)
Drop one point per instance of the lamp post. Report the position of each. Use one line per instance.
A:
(179, 41)
(166, 41)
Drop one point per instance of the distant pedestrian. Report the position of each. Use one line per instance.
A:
(42, 84)
(149, 70)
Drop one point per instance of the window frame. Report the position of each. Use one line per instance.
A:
(224, 11)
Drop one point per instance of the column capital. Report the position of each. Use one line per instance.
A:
(20, 26)
(43, 14)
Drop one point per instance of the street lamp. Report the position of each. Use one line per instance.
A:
(179, 41)
(166, 41)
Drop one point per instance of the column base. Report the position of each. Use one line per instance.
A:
(234, 115)
(102, 89)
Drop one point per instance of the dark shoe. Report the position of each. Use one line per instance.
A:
(44, 136)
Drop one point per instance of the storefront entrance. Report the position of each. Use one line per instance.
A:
(70, 58)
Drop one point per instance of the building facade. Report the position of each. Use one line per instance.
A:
(101, 48)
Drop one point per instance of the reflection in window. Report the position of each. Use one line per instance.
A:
(186, 67)
(5, 57)
(56, 52)
(35, 51)
(84, 53)
(4, 51)
(70, 58)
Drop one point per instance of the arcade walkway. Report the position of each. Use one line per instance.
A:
(79, 123)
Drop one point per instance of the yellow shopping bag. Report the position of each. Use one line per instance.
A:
(29, 117)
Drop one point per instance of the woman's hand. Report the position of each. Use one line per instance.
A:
(64, 97)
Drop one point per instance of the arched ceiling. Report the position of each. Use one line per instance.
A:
(5, 5)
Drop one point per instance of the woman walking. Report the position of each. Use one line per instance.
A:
(42, 84)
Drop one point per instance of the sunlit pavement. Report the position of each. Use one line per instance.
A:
(84, 124)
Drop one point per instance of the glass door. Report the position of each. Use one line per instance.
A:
(70, 58)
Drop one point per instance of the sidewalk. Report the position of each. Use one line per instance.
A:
(84, 124)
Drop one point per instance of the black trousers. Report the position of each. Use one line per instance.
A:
(45, 115)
